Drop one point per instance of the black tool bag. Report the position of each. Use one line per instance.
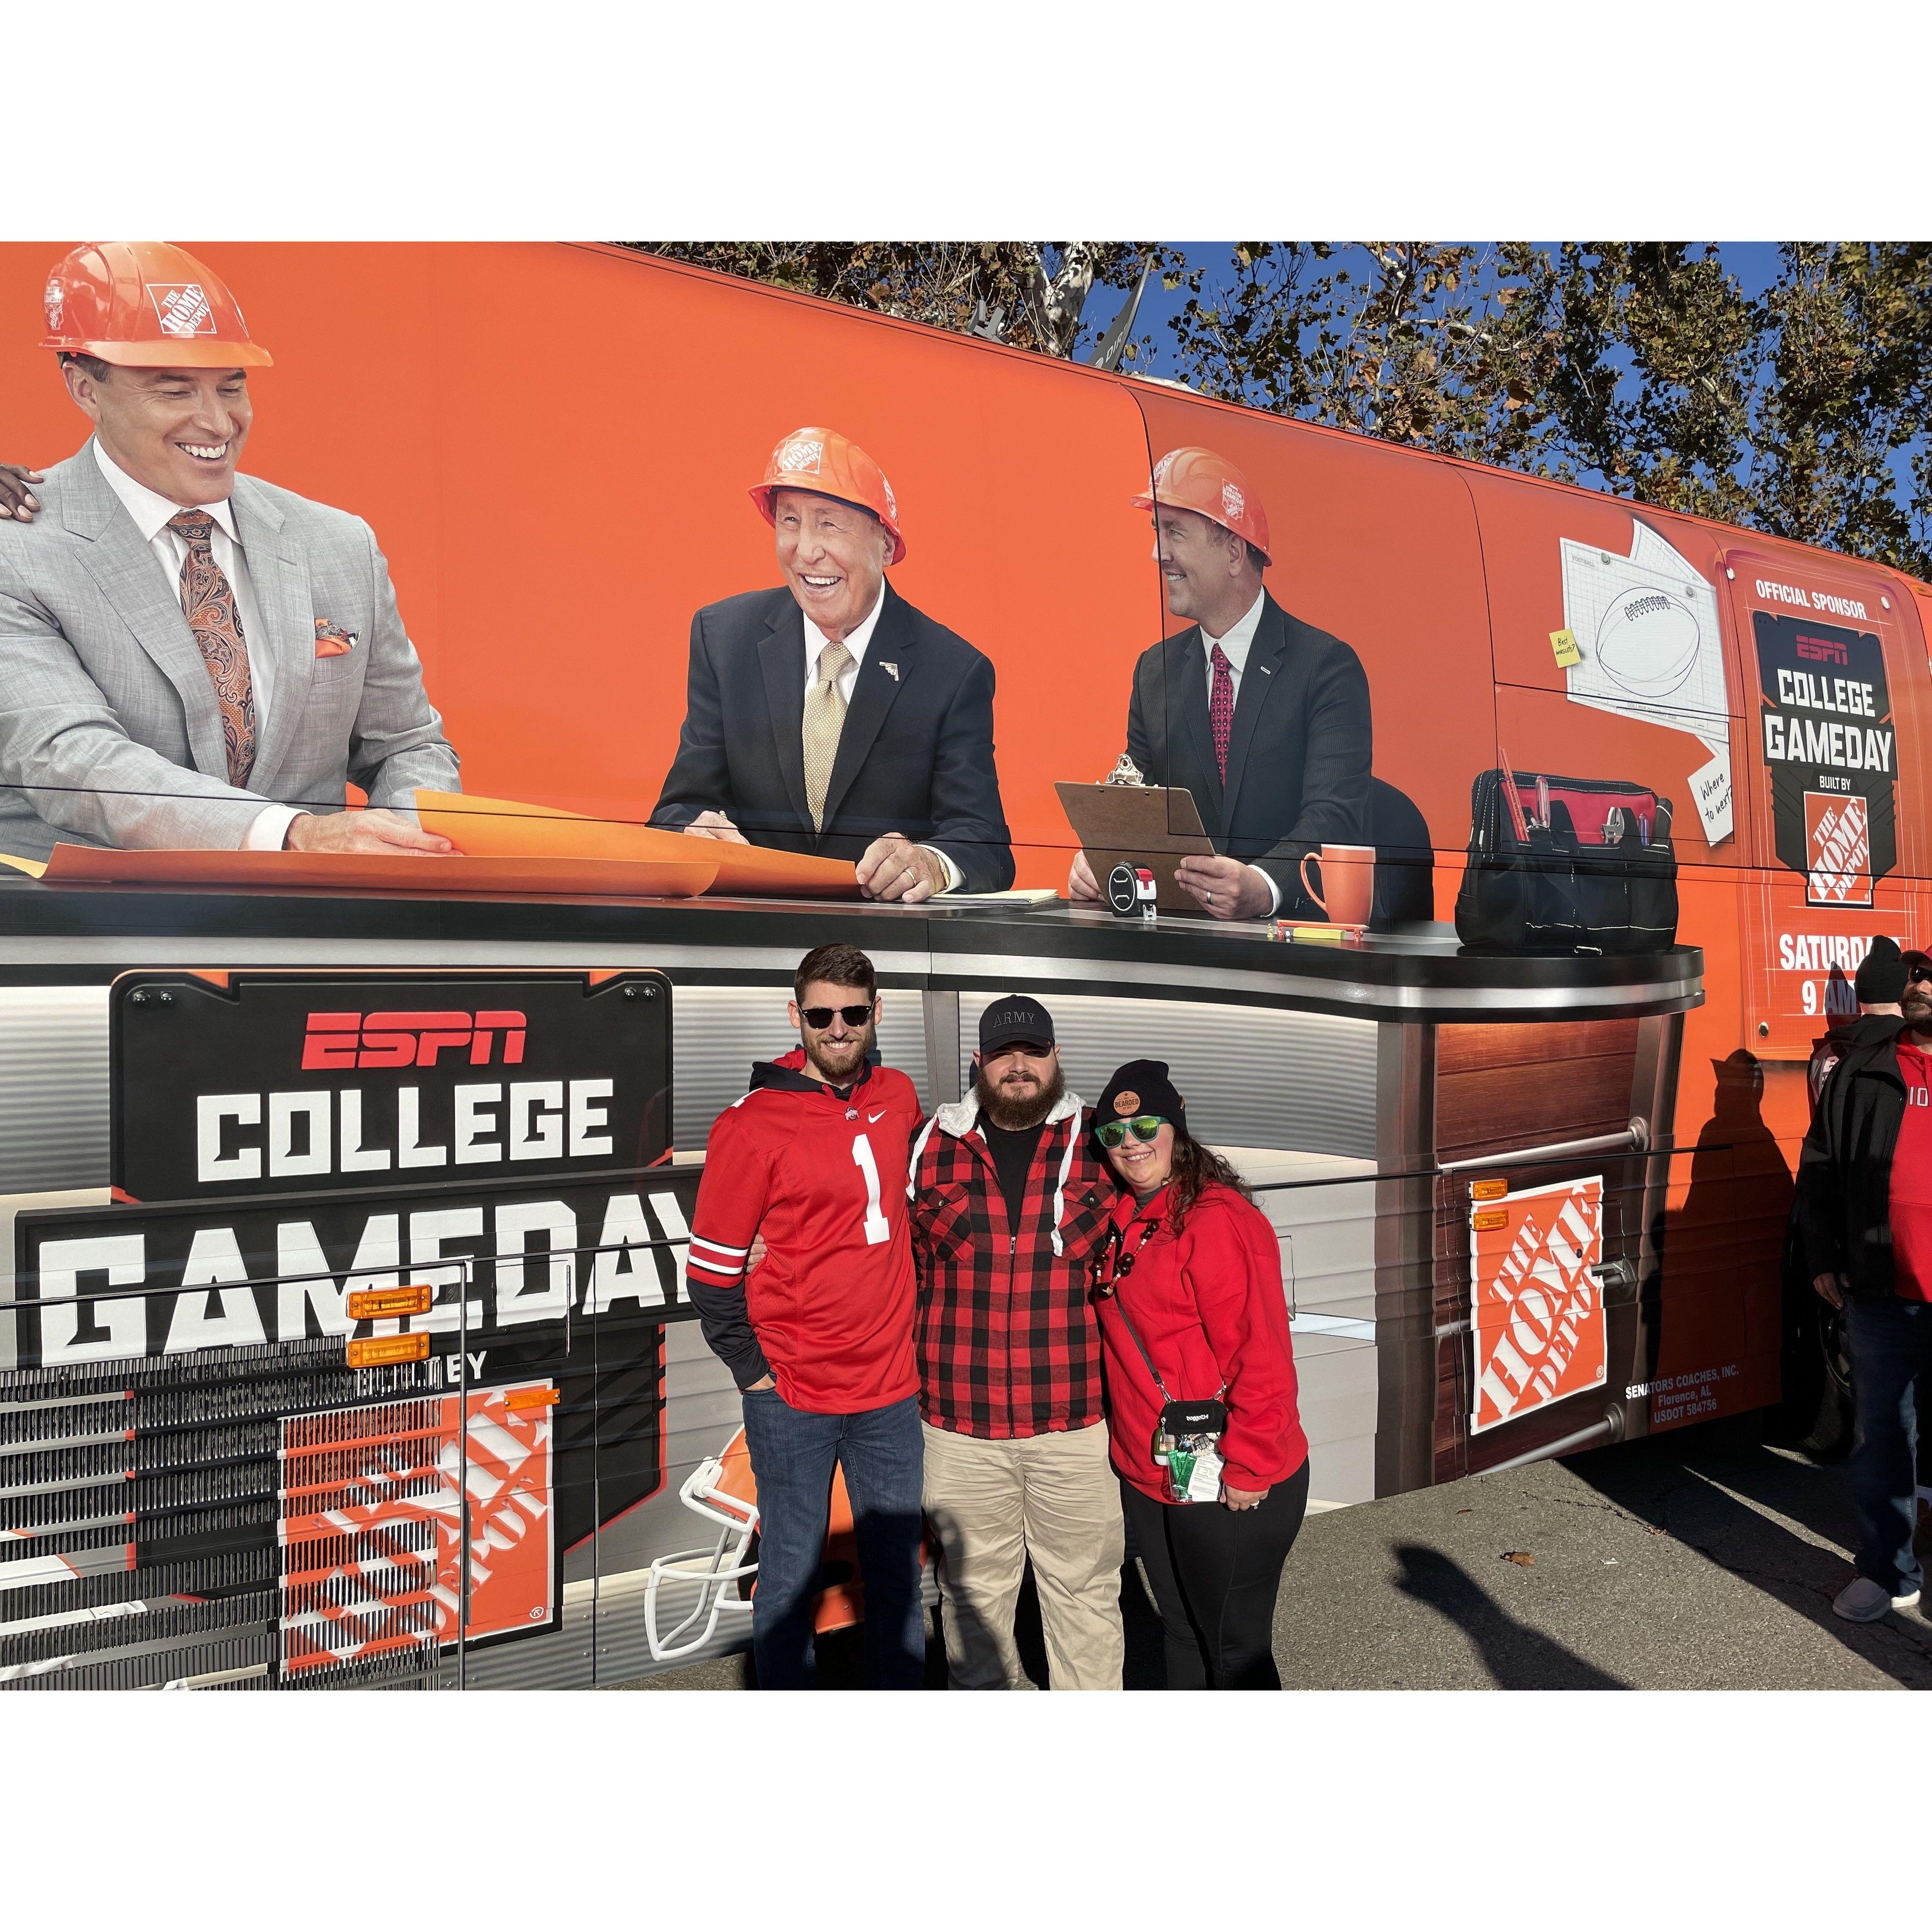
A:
(1601, 876)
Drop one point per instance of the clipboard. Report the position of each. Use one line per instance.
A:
(1153, 826)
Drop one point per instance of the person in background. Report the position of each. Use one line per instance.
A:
(1880, 984)
(1865, 1203)
(1192, 1312)
(189, 656)
(819, 1340)
(1262, 719)
(1010, 1199)
(829, 716)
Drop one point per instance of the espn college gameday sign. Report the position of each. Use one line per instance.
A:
(1832, 752)
(1538, 1318)
(261, 1083)
(284, 1143)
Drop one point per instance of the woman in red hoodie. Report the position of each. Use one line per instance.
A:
(1200, 1374)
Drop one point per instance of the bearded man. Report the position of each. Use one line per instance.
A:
(1009, 1202)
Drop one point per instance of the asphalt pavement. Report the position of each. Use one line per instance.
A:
(1703, 1559)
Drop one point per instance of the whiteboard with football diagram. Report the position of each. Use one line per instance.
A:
(1648, 647)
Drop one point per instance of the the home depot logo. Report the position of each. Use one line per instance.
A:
(341, 1043)
(181, 308)
(1538, 1313)
(1837, 845)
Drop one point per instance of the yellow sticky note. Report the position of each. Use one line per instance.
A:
(1564, 643)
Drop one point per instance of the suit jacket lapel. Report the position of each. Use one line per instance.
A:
(1188, 726)
(1258, 679)
(286, 611)
(873, 692)
(132, 579)
(781, 655)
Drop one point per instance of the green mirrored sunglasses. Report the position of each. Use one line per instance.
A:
(1145, 1127)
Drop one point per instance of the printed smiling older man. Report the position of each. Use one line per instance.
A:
(829, 716)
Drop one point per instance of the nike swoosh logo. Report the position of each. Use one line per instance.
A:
(879, 1116)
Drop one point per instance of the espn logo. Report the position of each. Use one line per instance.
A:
(340, 1043)
(1822, 650)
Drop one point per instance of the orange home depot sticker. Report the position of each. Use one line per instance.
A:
(1837, 845)
(1538, 1314)
(371, 1534)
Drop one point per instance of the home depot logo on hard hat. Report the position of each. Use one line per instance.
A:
(182, 307)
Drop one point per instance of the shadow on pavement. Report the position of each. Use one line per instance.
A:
(1719, 1488)
(1517, 1656)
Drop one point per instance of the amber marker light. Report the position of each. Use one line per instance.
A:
(379, 1304)
(380, 1351)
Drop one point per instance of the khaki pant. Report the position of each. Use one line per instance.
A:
(992, 1505)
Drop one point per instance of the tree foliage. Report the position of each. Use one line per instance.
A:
(1032, 294)
(1643, 368)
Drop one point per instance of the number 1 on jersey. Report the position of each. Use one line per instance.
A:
(877, 1227)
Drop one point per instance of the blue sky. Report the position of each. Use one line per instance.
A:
(1754, 263)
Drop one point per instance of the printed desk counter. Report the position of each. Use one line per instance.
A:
(1466, 1156)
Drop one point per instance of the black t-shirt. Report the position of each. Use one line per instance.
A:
(1012, 1152)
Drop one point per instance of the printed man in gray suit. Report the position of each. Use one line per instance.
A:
(189, 658)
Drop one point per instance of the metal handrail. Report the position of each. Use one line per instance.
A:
(1635, 1138)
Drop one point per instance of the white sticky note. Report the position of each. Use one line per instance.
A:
(1711, 787)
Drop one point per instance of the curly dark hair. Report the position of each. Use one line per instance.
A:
(1194, 1166)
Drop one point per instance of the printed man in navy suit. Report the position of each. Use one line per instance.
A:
(828, 715)
(1263, 718)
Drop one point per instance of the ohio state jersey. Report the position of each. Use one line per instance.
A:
(823, 1180)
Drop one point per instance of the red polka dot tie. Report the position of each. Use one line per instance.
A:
(1221, 708)
(207, 599)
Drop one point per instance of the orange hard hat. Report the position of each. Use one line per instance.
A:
(1209, 485)
(829, 464)
(146, 305)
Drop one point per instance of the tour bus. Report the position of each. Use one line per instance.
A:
(1532, 1184)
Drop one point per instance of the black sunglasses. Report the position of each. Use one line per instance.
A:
(819, 1018)
(1918, 976)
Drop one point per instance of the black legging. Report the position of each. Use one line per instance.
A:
(1216, 1572)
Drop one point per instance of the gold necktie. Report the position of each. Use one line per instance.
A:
(824, 719)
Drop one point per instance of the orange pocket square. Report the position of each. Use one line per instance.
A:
(331, 640)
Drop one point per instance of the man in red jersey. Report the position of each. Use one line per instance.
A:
(820, 1338)
(1865, 1193)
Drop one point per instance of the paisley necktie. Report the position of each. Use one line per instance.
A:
(207, 599)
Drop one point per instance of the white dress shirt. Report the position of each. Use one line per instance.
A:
(1235, 646)
(815, 642)
(150, 513)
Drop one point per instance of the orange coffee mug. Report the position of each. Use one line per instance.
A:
(1348, 872)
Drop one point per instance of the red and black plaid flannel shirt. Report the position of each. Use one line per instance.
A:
(1008, 1345)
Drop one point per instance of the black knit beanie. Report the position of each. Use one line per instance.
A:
(1142, 1087)
(1881, 978)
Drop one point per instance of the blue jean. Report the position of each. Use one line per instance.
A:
(793, 1453)
(1892, 1345)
